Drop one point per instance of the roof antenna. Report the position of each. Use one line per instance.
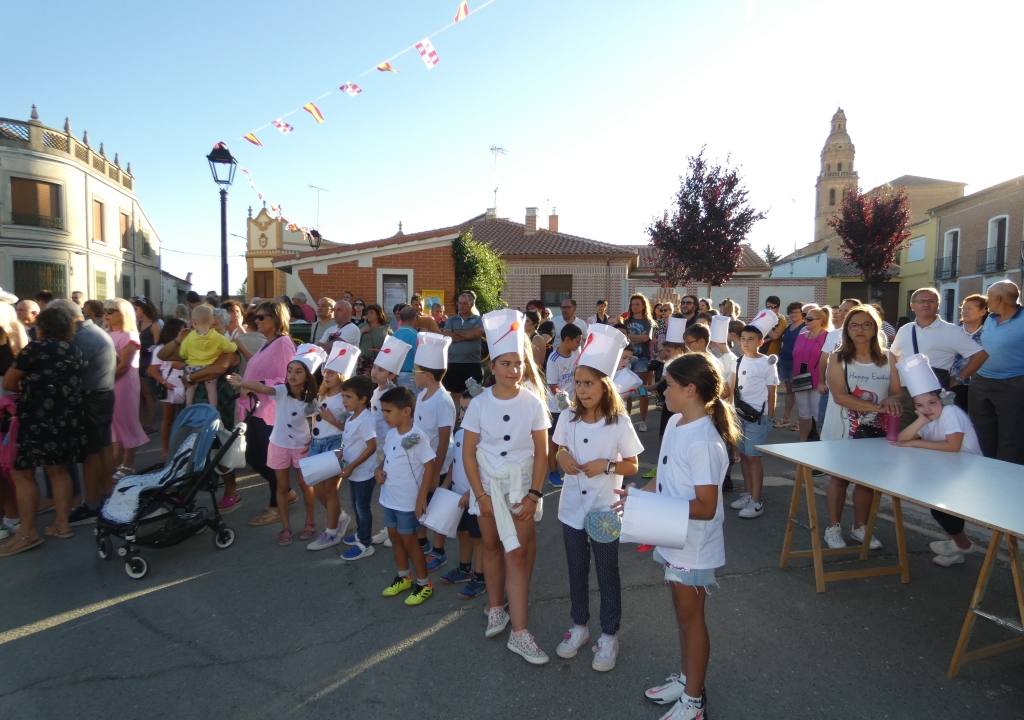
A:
(496, 150)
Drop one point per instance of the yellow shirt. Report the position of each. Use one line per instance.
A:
(775, 346)
(201, 350)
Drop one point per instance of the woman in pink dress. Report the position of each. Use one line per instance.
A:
(127, 430)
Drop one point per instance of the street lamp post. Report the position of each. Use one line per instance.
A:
(222, 166)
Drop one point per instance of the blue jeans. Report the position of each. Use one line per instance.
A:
(362, 494)
(822, 405)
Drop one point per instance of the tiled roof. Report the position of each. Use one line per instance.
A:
(917, 180)
(509, 239)
(750, 261)
(397, 239)
(812, 248)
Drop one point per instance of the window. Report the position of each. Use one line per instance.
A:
(997, 237)
(147, 249)
(948, 304)
(394, 288)
(915, 250)
(97, 221)
(36, 203)
(555, 288)
(147, 290)
(828, 167)
(263, 283)
(951, 245)
(31, 276)
(126, 231)
(832, 196)
(101, 286)
(126, 285)
(839, 167)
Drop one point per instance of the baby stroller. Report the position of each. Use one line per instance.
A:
(157, 507)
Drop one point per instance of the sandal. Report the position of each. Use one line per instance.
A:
(19, 544)
(293, 497)
(284, 538)
(123, 471)
(267, 517)
(308, 532)
(56, 532)
(229, 502)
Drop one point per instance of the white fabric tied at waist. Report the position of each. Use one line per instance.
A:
(507, 485)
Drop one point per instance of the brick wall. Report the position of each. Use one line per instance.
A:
(593, 279)
(434, 269)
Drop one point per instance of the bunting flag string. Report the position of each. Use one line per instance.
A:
(424, 48)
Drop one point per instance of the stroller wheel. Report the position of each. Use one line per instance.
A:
(136, 567)
(104, 548)
(224, 538)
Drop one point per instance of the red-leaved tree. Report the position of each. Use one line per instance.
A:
(872, 228)
(700, 240)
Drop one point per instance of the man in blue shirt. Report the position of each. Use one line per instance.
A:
(464, 355)
(996, 396)
(407, 333)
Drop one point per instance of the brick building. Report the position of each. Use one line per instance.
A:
(980, 240)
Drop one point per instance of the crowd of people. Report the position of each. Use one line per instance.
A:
(492, 407)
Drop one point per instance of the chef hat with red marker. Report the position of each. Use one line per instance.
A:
(392, 354)
(602, 349)
(310, 355)
(342, 359)
(505, 331)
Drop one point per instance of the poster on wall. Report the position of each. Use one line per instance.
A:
(432, 296)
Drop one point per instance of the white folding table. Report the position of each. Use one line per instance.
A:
(982, 490)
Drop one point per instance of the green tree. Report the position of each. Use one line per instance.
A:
(770, 256)
(480, 269)
(242, 290)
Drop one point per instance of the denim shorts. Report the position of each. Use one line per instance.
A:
(403, 520)
(754, 434)
(704, 578)
(639, 365)
(325, 444)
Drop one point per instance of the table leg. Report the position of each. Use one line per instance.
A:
(976, 598)
(802, 474)
(812, 521)
(901, 541)
(1015, 570)
(869, 527)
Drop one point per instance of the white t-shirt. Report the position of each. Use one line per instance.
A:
(505, 426)
(170, 375)
(832, 341)
(694, 454)
(755, 376)
(560, 371)
(433, 413)
(559, 323)
(291, 420)
(349, 333)
(586, 442)
(358, 430)
(457, 471)
(727, 364)
(952, 420)
(941, 342)
(404, 469)
(378, 416)
(322, 428)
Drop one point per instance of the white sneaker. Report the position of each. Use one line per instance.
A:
(574, 638)
(344, 519)
(669, 692)
(4, 533)
(605, 653)
(497, 621)
(741, 502)
(324, 540)
(381, 537)
(641, 426)
(12, 524)
(948, 560)
(858, 535)
(523, 644)
(834, 537)
(683, 710)
(752, 510)
(949, 547)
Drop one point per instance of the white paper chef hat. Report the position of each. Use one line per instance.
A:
(505, 332)
(392, 354)
(310, 355)
(720, 328)
(7, 297)
(602, 349)
(765, 321)
(626, 381)
(917, 376)
(675, 330)
(342, 359)
(432, 350)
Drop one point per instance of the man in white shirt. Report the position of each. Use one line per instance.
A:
(343, 328)
(568, 316)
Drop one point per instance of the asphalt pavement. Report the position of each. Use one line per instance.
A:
(257, 631)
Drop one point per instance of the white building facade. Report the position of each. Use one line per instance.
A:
(70, 220)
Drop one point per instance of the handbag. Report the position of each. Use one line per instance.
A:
(802, 380)
(744, 409)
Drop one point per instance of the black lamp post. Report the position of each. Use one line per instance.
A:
(314, 239)
(222, 166)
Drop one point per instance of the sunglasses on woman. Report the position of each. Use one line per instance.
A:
(262, 317)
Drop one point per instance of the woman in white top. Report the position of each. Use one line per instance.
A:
(863, 386)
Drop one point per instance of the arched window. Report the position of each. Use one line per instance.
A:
(828, 167)
(832, 196)
(840, 166)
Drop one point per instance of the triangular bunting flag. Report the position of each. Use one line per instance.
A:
(313, 110)
(251, 137)
(463, 12)
(387, 67)
(427, 53)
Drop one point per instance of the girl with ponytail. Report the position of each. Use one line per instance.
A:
(692, 463)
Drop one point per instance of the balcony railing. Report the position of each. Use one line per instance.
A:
(44, 221)
(946, 267)
(991, 259)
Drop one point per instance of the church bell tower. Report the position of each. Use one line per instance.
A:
(836, 175)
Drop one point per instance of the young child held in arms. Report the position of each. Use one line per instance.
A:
(201, 348)
(944, 427)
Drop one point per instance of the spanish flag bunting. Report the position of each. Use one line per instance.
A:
(313, 110)
(387, 67)
(463, 12)
(251, 137)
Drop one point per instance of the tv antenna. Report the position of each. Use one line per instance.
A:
(496, 150)
(318, 191)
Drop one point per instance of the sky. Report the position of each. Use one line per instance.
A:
(597, 102)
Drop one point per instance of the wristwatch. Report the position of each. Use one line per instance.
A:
(610, 467)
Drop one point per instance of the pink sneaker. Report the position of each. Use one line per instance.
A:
(229, 502)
